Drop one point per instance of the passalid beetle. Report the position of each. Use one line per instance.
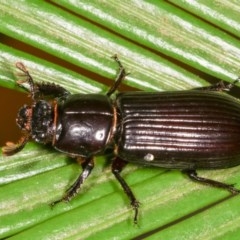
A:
(186, 130)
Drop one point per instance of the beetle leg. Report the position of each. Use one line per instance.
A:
(87, 166)
(220, 86)
(40, 89)
(120, 77)
(50, 90)
(117, 166)
(192, 174)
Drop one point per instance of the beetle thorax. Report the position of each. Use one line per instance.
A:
(37, 121)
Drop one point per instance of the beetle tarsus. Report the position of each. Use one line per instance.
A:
(117, 166)
(135, 205)
(65, 199)
(87, 166)
(120, 76)
(220, 86)
(192, 174)
(55, 202)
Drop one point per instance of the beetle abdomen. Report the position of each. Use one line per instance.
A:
(188, 129)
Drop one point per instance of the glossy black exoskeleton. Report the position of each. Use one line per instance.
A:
(187, 130)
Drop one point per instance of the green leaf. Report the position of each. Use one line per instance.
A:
(164, 47)
(223, 14)
(86, 45)
(164, 28)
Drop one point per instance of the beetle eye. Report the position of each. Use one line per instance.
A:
(24, 118)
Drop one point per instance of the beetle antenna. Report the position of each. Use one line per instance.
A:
(28, 79)
(12, 148)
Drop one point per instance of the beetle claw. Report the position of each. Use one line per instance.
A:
(135, 205)
(64, 199)
(233, 190)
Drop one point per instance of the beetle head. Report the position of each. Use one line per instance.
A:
(36, 123)
(24, 118)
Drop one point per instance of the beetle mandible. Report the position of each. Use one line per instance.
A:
(186, 130)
